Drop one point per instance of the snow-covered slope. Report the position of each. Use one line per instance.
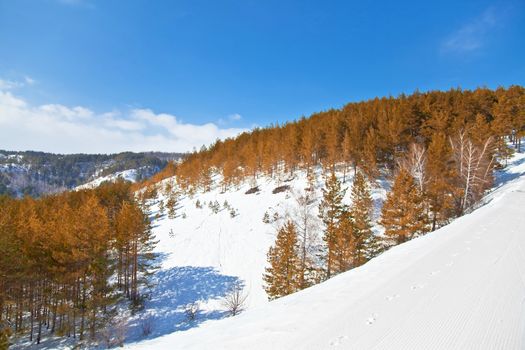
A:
(128, 175)
(460, 287)
(204, 254)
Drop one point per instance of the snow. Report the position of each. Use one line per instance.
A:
(460, 287)
(207, 253)
(128, 175)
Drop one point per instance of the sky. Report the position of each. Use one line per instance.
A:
(108, 76)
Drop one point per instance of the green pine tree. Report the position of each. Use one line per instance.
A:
(361, 212)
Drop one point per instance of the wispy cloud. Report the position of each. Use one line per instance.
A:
(474, 34)
(16, 84)
(63, 129)
(229, 119)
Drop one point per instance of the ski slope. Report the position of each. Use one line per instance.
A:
(460, 287)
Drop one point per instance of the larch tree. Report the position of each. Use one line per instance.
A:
(331, 210)
(282, 277)
(441, 177)
(403, 214)
(361, 212)
(369, 154)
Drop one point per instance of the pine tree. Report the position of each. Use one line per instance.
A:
(361, 212)
(282, 277)
(171, 204)
(331, 210)
(403, 214)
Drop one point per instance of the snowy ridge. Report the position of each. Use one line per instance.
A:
(128, 175)
(460, 287)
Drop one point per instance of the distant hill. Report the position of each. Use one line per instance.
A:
(38, 173)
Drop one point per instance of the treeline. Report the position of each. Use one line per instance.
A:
(66, 261)
(371, 135)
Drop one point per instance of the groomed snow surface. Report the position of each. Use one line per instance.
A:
(460, 287)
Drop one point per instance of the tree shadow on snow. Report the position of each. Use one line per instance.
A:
(165, 311)
(504, 176)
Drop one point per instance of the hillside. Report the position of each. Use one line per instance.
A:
(460, 287)
(37, 173)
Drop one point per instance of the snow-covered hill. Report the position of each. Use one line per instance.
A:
(128, 175)
(460, 287)
(204, 254)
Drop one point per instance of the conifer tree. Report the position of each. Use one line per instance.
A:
(171, 204)
(282, 277)
(403, 214)
(440, 190)
(344, 245)
(361, 212)
(134, 228)
(369, 154)
(331, 210)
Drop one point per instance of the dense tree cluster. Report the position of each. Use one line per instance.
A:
(439, 150)
(66, 260)
(347, 234)
(371, 135)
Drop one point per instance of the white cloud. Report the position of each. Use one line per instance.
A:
(230, 118)
(9, 84)
(235, 116)
(15, 84)
(29, 80)
(62, 129)
(473, 35)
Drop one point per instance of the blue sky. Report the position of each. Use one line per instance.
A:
(218, 67)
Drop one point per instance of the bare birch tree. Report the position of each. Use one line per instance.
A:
(415, 163)
(474, 164)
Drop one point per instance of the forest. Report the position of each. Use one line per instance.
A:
(371, 135)
(69, 261)
(38, 173)
(438, 150)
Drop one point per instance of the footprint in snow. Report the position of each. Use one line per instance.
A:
(450, 264)
(433, 273)
(337, 341)
(371, 319)
(392, 297)
(417, 286)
